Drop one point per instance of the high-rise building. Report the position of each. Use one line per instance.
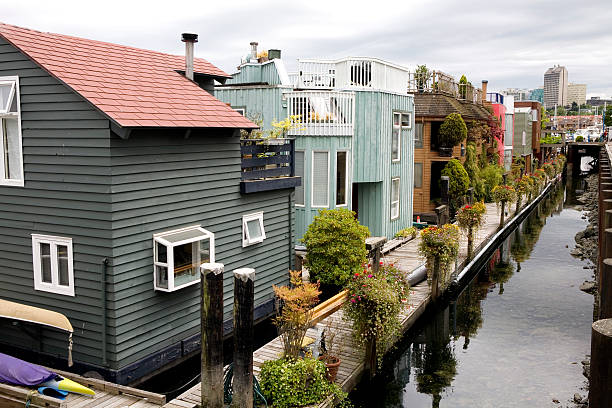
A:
(576, 93)
(555, 86)
(518, 93)
(537, 94)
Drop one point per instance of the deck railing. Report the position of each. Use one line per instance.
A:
(322, 113)
(351, 73)
(440, 82)
(267, 164)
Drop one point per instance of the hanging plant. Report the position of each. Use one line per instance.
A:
(502, 195)
(549, 169)
(440, 246)
(522, 186)
(470, 218)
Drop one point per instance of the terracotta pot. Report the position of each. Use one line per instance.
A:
(331, 363)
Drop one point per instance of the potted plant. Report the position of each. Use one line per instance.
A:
(452, 132)
(522, 186)
(294, 305)
(410, 232)
(422, 76)
(470, 218)
(331, 348)
(501, 195)
(440, 247)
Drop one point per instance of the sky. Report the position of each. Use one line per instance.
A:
(510, 44)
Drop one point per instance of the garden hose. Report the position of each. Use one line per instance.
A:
(228, 390)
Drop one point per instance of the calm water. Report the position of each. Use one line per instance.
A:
(514, 337)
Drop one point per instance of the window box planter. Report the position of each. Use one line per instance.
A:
(267, 164)
(445, 151)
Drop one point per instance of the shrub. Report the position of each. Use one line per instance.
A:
(410, 232)
(580, 138)
(375, 302)
(491, 176)
(453, 130)
(291, 383)
(459, 182)
(335, 245)
(295, 305)
(472, 170)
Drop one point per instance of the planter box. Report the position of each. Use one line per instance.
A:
(445, 151)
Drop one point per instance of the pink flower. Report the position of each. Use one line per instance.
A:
(353, 300)
(369, 276)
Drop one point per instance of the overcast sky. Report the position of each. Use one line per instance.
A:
(509, 43)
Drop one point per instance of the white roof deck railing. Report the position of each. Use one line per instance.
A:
(439, 82)
(351, 73)
(322, 113)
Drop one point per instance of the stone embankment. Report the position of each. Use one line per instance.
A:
(586, 240)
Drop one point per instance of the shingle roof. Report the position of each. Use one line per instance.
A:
(132, 86)
(439, 105)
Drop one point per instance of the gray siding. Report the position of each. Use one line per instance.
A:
(160, 183)
(67, 181)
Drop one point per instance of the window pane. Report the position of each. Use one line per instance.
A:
(320, 179)
(418, 135)
(396, 119)
(183, 235)
(5, 93)
(395, 144)
(418, 175)
(161, 276)
(299, 171)
(12, 154)
(204, 247)
(395, 187)
(62, 263)
(186, 264)
(162, 253)
(45, 262)
(406, 120)
(254, 229)
(341, 178)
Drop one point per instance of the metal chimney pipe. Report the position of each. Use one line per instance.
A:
(254, 50)
(189, 40)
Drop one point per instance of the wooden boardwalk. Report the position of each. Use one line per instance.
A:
(407, 259)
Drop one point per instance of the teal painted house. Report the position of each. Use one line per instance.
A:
(119, 176)
(354, 146)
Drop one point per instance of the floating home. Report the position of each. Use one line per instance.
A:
(120, 174)
(354, 145)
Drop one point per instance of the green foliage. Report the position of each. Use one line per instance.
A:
(374, 306)
(503, 194)
(441, 244)
(453, 130)
(580, 138)
(608, 116)
(545, 118)
(549, 139)
(422, 75)
(296, 382)
(335, 245)
(472, 170)
(491, 176)
(549, 169)
(459, 182)
(407, 232)
(471, 216)
(482, 158)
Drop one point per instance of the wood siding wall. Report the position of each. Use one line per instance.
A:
(161, 183)
(67, 184)
(256, 74)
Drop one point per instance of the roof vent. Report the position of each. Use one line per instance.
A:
(253, 51)
(189, 40)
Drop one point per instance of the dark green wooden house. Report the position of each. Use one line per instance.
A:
(119, 175)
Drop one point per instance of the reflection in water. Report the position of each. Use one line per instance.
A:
(479, 352)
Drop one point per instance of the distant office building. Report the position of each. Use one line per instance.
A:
(576, 93)
(555, 87)
(537, 94)
(597, 101)
(517, 93)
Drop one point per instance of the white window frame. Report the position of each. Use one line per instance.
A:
(393, 180)
(303, 180)
(54, 286)
(4, 114)
(169, 264)
(241, 110)
(247, 240)
(312, 204)
(346, 179)
(397, 127)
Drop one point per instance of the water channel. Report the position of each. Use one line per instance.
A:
(514, 336)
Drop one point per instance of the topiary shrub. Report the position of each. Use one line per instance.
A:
(459, 182)
(453, 130)
(580, 138)
(335, 245)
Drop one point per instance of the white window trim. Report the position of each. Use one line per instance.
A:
(246, 238)
(312, 205)
(15, 92)
(346, 178)
(241, 110)
(303, 180)
(54, 286)
(399, 195)
(399, 137)
(159, 237)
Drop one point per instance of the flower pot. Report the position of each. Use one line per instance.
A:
(331, 363)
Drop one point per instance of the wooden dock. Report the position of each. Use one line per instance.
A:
(108, 395)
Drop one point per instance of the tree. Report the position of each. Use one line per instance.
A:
(453, 130)
(574, 106)
(335, 246)
(608, 116)
(459, 182)
(545, 118)
(472, 170)
(561, 111)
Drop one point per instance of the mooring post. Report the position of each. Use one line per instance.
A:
(435, 279)
(211, 327)
(244, 289)
(600, 378)
(441, 214)
(370, 359)
(444, 189)
(471, 196)
(374, 247)
(503, 214)
(605, 288)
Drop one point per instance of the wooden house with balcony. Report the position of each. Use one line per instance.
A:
(120, 173)
(354, 144)
(436, 95)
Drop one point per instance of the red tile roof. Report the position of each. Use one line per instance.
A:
(134, 87)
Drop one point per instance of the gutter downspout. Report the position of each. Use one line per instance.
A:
(104, 310)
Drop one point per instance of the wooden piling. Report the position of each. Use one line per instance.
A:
(605, 289)
(503, 214)
(600, 379)
(211, 326)
(244, 286)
